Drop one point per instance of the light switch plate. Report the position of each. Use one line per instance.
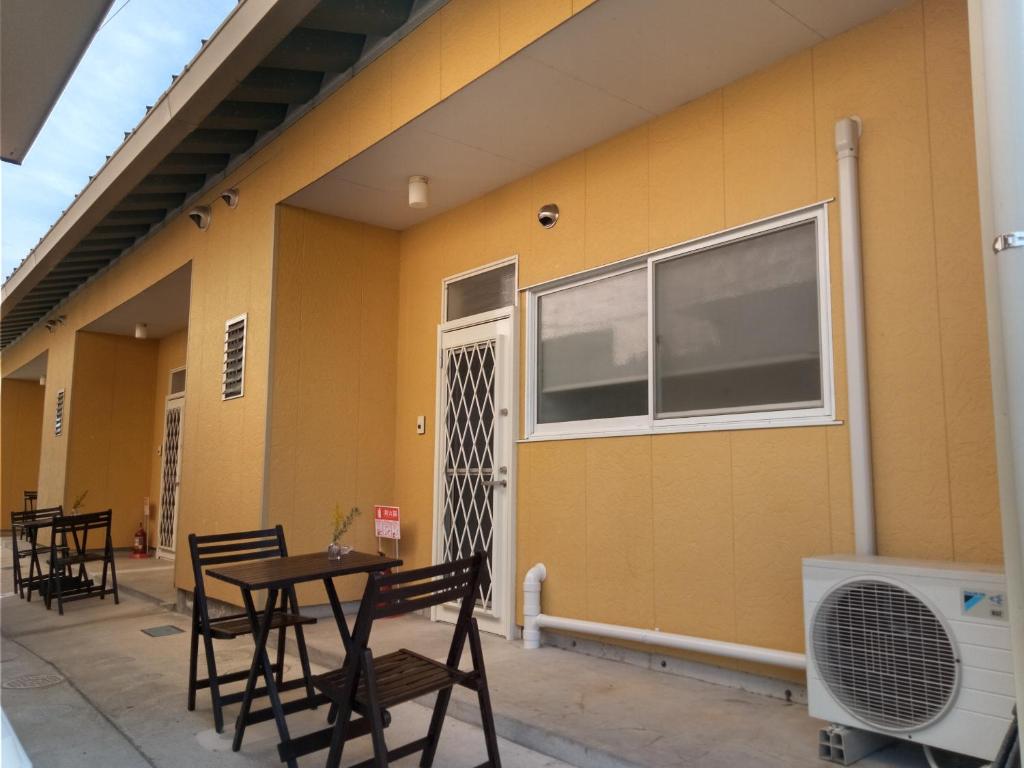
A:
(421, 425)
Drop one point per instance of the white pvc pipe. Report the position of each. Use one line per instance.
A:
(847, 146)
(534, 621)
(531, 605)
(997, 79)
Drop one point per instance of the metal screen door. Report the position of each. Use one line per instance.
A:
(474, 478)
(170, 478)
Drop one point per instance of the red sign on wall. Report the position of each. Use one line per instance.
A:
(387, 522)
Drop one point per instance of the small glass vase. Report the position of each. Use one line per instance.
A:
(336, 551)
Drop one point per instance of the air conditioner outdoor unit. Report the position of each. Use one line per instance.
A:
(915, 649)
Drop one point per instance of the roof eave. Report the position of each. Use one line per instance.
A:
(237, 46)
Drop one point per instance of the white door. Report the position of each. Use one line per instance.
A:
(170, 477)
(475, 481)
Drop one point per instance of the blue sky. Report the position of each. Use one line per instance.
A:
(128, 65)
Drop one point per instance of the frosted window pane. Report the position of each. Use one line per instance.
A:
(177, 382)
(493, 289)
(592, 350)
(737, 326)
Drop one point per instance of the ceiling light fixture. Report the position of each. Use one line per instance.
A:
(141, 331)
(419, 192)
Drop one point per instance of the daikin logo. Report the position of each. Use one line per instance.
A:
(983, 604)
(971, 599)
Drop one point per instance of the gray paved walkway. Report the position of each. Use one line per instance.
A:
(579, 709)
(91, 689)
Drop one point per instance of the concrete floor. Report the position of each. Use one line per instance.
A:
(113, 696)
(551, 705)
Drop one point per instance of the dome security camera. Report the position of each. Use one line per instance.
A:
(200, 216)
(230, 197)
(548, 215)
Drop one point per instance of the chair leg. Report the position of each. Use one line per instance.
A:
(60, 592)
(33, 565)
(436, 723)
(16, 562)
(103, 578)
(113, 570)
(338, 735)
(484, 696)
(193, 659)
(300, 642)
(280, 655)
(211, 670)
(380, 747)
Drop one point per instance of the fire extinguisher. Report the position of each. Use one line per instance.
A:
(139, 548)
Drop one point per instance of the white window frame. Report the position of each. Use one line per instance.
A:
(170, 380)
(648, 423)
(245, 343)
(584, 427)
(445, 282)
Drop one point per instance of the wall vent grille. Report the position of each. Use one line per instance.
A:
(234, 358)
(884, 655)
(58, 422)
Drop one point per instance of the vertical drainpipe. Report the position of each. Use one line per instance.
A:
(997, 79)
(847, 147)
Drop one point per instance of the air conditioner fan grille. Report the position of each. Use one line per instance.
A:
(884, 655)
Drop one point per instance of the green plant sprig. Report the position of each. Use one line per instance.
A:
(343, 522)
(80, 500)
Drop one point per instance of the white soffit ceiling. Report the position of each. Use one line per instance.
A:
(611, 67)
(41, 42)
(32, 370)
(163, 307)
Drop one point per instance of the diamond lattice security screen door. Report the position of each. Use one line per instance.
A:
(475, 451)
(170, 477)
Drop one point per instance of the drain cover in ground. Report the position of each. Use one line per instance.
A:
(33, 681)
(163, 631)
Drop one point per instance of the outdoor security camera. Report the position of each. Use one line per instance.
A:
(200, 216)
(548, 215)
(230, 196)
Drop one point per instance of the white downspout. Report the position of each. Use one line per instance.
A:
(847, 146)
(997, 79)
(531, 605)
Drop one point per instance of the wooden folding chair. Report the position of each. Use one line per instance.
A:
(240, 547)
(69, 547)
(367, 686)
(25, 544)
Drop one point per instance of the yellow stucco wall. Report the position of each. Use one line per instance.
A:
(225, 443)
(732, 512)
(109, 457)
(21, 413)
(639, 530)
(170, 355)
(332, 425)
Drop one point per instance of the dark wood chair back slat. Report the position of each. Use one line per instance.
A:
(89, 521)
(32, 515)
(239, 546)
(220, 548)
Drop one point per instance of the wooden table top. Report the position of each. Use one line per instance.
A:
(283, 571)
